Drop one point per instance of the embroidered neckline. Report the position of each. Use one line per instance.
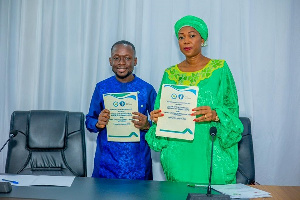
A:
(194, 71)
(193, 78)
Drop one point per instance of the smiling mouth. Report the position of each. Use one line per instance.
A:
(187, 48)
(121, 70)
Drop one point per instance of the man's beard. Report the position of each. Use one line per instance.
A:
(123, 77)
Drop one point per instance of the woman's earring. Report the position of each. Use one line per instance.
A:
(202, 45)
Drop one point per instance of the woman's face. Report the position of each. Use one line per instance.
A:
(189, 41)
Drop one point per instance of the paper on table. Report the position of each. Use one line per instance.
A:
(176, 103)
(28, 180)
(119, 127)
(241, 191)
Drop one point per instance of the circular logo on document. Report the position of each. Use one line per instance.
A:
(173, 96)
(122, 103)
(115, 104)
(180, 96)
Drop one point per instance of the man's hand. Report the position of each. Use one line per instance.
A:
(103, 118)
(140, 121)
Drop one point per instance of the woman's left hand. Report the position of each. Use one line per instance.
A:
(207, 114)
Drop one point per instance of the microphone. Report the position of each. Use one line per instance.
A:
(208, 195)
(213, 133)
(5, 187)
(12, 134)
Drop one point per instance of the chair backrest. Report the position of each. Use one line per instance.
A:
(49, 142)
(246, 169)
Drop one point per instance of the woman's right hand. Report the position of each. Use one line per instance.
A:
(103, 118)
(155, 114)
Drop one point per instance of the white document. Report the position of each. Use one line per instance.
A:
(176, 103)
(241, 191)
(120, 127)
(28, 180)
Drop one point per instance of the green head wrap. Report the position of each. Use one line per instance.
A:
(194, 22)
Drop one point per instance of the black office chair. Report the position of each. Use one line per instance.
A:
(246, 169)
(49, 142)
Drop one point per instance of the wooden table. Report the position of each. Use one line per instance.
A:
(280, 192)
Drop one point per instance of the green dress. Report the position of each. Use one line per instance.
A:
(189, 161)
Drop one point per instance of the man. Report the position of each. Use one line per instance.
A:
(122, 160)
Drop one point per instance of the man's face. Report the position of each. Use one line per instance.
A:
(123, 61)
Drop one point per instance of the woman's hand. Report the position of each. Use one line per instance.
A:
(140, 121)
(155, 114)
(103, 118)
(207, 114)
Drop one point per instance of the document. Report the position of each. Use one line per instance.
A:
(176, 103)
(28, 180)
(120, 127)
(238, 191)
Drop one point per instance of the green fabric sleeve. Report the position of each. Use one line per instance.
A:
(228, 111)
(154, 142)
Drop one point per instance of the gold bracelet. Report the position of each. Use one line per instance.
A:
(217, 118)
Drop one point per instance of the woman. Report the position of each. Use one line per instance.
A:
(217, 105)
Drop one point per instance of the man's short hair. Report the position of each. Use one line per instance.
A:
(124, 42)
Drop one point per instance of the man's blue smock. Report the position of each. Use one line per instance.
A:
(121, 160)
